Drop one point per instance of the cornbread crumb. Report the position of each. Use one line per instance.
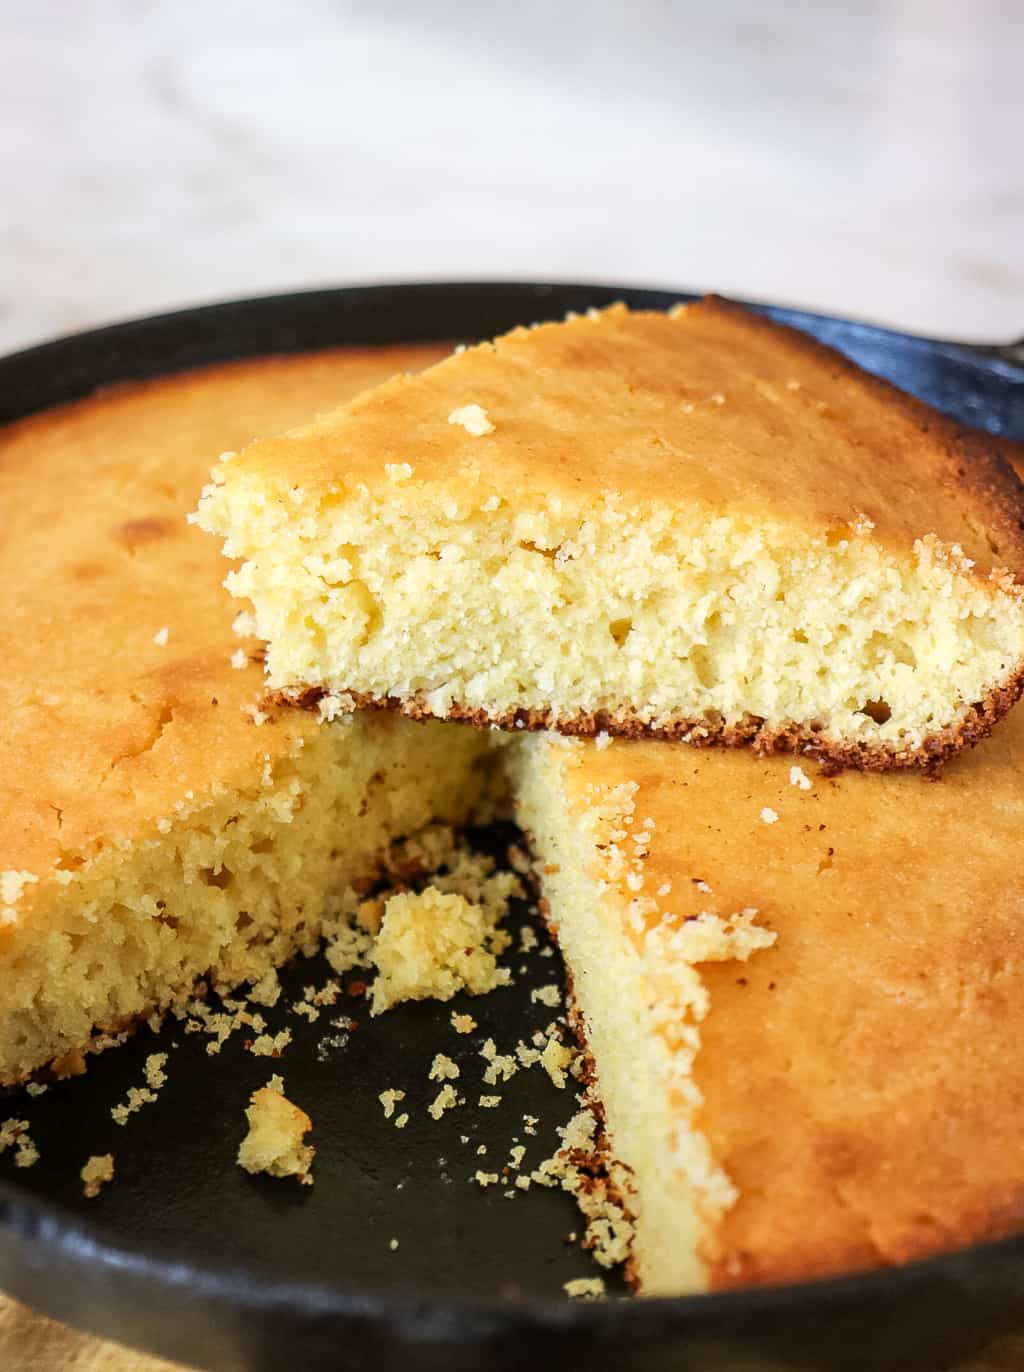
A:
(36, 1088)
(489, 1102)
(267, 991)
(528, 1057)
(275, 1141)
(154, 1071)
(138, 1096)
(14, 1134)
(500, 1066)
(239, 659)
(12, 885)
(347, 947)
(798, 777)
(160, 637)
(389, 1100)
(401, 1122)
(443, 1069)
(270, 1045)
(444, 1100)
(551, 996)
(334, 705)
(486, 1178)
(463, 1024)
(393, 1245)
(432, 945)
(96, 1173)
(584, 1288)
(769, 815)
(609, 1234)
(473, 419)
(524, 1183)
(515, 1157)
(556, 1059)
(528, 939)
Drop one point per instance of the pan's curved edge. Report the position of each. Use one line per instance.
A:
(66, 368)
(220, 1318)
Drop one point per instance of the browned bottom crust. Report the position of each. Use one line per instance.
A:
(977, 722)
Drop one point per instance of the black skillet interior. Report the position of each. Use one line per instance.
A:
(188, 1257)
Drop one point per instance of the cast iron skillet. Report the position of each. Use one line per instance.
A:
(186, 1256)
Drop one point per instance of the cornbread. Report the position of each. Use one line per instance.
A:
(275, 1141)
(804, 1034)
(432, 945)
(696, 525)
(97, 1172)
(798, 993)
(158, 826)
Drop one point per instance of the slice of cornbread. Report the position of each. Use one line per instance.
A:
(802, 997)
(156, 826)
(695, 524)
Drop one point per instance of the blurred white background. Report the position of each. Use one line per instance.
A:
(862, 158)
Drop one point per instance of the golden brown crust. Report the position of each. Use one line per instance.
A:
(974, 461)
(716, 408)
(833, 754)
(103, 727)
(861, 1078)
(119, 700)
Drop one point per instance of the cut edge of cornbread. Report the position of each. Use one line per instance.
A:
(637, 1001)
(494, 575)
(231, 885)
(927, 657)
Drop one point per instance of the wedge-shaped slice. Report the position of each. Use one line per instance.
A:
(157, 826)
(694, 525)
(803, 998)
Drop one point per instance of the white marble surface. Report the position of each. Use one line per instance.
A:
(863, 158)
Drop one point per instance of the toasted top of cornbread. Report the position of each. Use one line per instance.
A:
(125, 691)
(861, 1076)
(708, 405)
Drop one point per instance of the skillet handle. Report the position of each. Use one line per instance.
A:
(1002, 352)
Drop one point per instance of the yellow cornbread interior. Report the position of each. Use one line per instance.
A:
(640, 997)
(225, 889)
(157, 825)
(274, 1142)
(454, 596)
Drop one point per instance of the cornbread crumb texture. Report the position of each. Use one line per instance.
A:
(389, 1099)
(584, 1288)
(14, 1134)
(432, 945)
(138, 776)
(599, 1186)
(635, 938)
(138, 1096)
(275, 1142)
(886, 1123)
(624, 496)
(98, 1170)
